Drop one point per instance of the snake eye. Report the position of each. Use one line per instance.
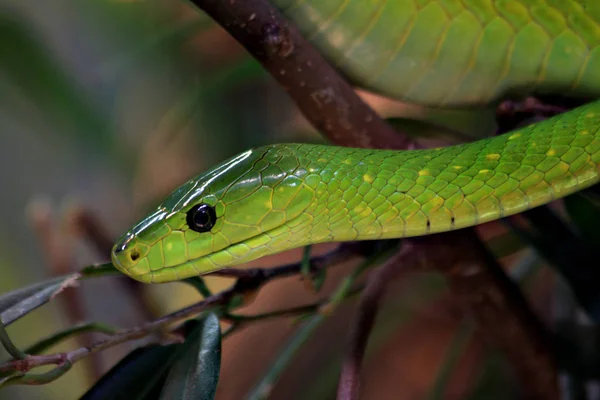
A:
(201, 218)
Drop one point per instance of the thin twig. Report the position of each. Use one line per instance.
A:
(349, 383)
(343, 291)
(252, 281)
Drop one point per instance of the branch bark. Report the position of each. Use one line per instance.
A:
(324, 97)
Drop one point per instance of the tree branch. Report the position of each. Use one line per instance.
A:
(324, 97)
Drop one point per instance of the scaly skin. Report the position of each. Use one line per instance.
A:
(457, 52)
(279, 197)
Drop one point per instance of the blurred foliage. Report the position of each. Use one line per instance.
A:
(112, 104)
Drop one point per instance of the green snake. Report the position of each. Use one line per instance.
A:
(442, 53)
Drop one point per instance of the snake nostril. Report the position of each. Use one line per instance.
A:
(134, 255)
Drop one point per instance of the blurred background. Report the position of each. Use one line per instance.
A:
(107, 106)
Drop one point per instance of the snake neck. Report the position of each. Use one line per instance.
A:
(362, 194)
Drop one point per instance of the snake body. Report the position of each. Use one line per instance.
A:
(457, 52)
(278, 197)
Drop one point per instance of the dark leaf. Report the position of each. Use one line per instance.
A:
(139, 375)
(494, 382)
(574, 257)
(199, 284)
(195, 372)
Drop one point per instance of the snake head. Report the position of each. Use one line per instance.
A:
(245, 208)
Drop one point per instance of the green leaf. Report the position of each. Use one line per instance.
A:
(5, 378)
(195, 372)
(15, 304)
(263, 389)
(140, 375)
(199, 284)
(8, 344)
(494, 382)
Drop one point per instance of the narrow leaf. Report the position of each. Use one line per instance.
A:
(8, 344)
(199, 284)
(15, 304)
(137, 375)
(58, 337)
(195, 372)
(455, 350)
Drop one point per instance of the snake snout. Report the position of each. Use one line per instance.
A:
(126, 254)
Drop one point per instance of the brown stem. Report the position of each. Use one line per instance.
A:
(502, 313)
(251, 282)
(327, 101)
(366, 314)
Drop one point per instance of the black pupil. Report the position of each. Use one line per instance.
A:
(201, 218)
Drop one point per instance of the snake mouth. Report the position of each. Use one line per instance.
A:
(231, 255)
